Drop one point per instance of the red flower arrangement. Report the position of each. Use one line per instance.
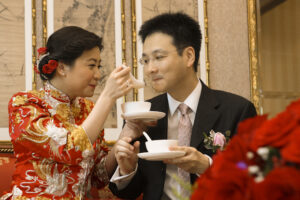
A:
(50, 67)
(262, 161)
(42, 51)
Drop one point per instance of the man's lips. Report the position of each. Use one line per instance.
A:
(156, 78)
(93, 86)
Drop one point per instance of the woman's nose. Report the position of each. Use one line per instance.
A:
(97, 74)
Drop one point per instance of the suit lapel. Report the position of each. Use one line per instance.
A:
(206, 116)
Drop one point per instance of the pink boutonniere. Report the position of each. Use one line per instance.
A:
(216, 140)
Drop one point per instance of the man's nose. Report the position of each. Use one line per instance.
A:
(152, 66)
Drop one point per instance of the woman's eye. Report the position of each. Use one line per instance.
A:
(92, 65)
(100, 66)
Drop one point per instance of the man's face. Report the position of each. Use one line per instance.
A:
(162, 63)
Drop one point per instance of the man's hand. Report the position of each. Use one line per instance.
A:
(193, 161)
(134, 128)
(126, 155)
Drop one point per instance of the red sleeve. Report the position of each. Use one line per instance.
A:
(33, 129)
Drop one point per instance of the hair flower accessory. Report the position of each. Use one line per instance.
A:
(216, 140)
(42, 51)
(50, 67)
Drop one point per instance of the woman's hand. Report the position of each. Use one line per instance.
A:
(118, 83)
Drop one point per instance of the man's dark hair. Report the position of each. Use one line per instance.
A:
(184, 30)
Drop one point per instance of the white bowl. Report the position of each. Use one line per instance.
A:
(160, 145)
(136, 106)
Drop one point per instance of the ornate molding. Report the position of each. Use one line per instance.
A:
(207, 64)
(44, 21)
(123, 34)
(33, 16)
(253, 53)
(6, 147)
(134, 48)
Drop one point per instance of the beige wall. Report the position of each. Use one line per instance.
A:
(280, 58)
(228, 46)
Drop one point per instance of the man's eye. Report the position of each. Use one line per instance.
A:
(100, 66)
(159, 57)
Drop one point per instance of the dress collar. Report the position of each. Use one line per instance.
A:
(56, 93)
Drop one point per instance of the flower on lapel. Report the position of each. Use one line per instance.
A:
(216, 140)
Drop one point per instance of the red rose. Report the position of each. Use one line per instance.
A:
(42, 50)
(294, 108)
(230, 182)
(50, 67)
(291, 152)
(274, 132)
(252, 124)
(280, 183)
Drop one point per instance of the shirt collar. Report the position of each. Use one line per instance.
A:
(191, 101)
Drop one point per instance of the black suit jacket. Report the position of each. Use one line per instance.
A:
(217, 110)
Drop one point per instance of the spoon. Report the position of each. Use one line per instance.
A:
(146, 136)
(137, 84)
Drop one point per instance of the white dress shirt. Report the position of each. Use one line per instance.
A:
(173, 118)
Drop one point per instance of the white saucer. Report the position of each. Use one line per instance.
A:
(145, 116)
(160, 155)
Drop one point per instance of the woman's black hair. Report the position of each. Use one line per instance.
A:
(66, 45)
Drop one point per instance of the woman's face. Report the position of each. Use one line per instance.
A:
(82, 78)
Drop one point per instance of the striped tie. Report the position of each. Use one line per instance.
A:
(184, 138)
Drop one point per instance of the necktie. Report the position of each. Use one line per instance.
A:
(184, 138)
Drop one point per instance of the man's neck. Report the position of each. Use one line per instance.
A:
(184, 89)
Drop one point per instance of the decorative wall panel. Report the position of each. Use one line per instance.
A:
(97, 17)
(12, 56)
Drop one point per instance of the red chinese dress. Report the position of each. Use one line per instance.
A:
(55, 159)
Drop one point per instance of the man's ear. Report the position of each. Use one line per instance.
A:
(189, 54)
(61, 69)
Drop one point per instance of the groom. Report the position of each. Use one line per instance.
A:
(170, 58)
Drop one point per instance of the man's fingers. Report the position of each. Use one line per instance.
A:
(136, 147)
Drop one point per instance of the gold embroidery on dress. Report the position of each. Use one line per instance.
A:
(75, 110)
(79, 138)
(63, 110)
(89, 105)
(19, 100)
(18, 118)
(35, 130)
(44, 198)
(55, 93)
(39, 94)
(43, 168)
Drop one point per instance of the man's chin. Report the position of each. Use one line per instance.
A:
(159, 89)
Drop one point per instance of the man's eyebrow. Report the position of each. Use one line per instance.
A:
(155, 51)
